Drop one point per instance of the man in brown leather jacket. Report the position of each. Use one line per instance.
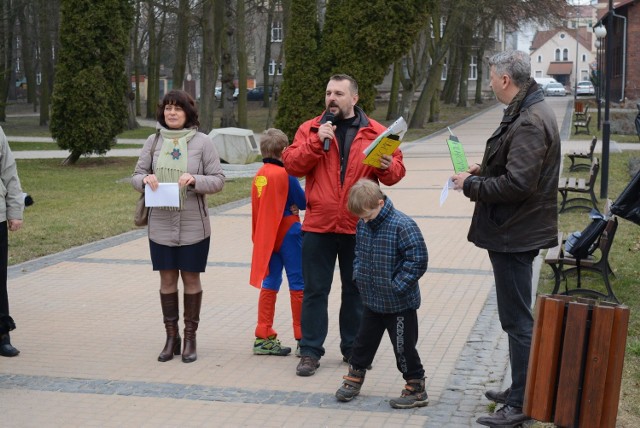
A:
(515, 190)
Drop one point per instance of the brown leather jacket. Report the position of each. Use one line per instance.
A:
(516, 193)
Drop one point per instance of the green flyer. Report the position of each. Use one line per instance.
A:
(457, 154)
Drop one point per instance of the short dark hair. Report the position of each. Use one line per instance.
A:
(352, 81)
(181, 99)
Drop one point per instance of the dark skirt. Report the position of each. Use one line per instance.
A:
(188, 258)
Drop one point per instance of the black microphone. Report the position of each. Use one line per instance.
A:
(328, 118)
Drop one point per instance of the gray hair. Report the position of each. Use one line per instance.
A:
(515, 64)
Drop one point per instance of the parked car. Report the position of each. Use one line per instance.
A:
(218, 93)
(257, 93)
(544, 81)
(555, 89)
(585, 87)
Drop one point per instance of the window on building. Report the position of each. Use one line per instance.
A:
(565, 54)
(584, 58)
(538, 73)
(539, 58)
(276, 31)
(473, 68)
(443, 75)
(557, 54)
(275, 68)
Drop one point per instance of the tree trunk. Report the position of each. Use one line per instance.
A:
(213, 24)
(392, 110)
(267, 52)
(242, 64)
(71, 159)
(228, 118)
(28, 32)
(182, 44)
(46, 24)
(450, 89)
(6, 54)
(465, 58)
(480, 75)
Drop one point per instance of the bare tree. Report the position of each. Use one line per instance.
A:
(242, 64)
(7, 24)
(212, 25)
(28, 36)
(182, 43)
(228, 87)
(48, 21)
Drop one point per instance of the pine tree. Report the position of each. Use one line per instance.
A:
(303, 86)
(88, 101)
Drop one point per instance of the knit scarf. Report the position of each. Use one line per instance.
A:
(172, 161)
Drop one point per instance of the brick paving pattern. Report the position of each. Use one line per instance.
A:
(90, 327)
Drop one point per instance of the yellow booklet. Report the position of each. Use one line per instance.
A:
(385, 144)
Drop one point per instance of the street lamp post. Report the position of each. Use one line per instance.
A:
(600, 33)
(606, 126)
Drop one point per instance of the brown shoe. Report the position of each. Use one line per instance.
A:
(307, 366)
(507, 416)
(499, 397)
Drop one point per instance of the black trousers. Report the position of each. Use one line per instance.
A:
(4, 261)
(403, 332)
(319, 253)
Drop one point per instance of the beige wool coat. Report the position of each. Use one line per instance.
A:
(191, 224)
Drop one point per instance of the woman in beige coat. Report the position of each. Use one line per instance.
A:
(179, 236)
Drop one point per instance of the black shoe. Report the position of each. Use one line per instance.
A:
(346, 360)
(506, 417)
(6, 350)
(499, 397)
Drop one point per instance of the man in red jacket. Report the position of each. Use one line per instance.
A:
(328, 151)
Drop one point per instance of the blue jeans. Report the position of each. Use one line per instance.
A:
(512, 273)
(319, 253)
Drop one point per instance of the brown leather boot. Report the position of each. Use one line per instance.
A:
(170, 313)
(192, 304)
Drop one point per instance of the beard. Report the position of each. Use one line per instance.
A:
(340, 114)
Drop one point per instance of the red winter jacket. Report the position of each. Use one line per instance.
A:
(326, 197)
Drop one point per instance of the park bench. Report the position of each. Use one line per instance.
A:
(581, 113)
(580, 154)
(563, 264)
(582, 125)
(570, 185)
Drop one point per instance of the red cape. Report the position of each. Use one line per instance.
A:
(268, 199)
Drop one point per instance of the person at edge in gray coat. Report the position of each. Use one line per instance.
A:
(179, 237)
(11, 210)
(515, 192)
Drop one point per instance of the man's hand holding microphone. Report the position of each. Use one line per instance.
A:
(326, 131)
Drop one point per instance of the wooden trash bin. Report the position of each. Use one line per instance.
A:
(575, 364)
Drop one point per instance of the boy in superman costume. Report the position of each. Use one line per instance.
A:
(276, 198)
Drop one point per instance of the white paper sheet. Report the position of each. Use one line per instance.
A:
(444, 194)
(166, 195)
